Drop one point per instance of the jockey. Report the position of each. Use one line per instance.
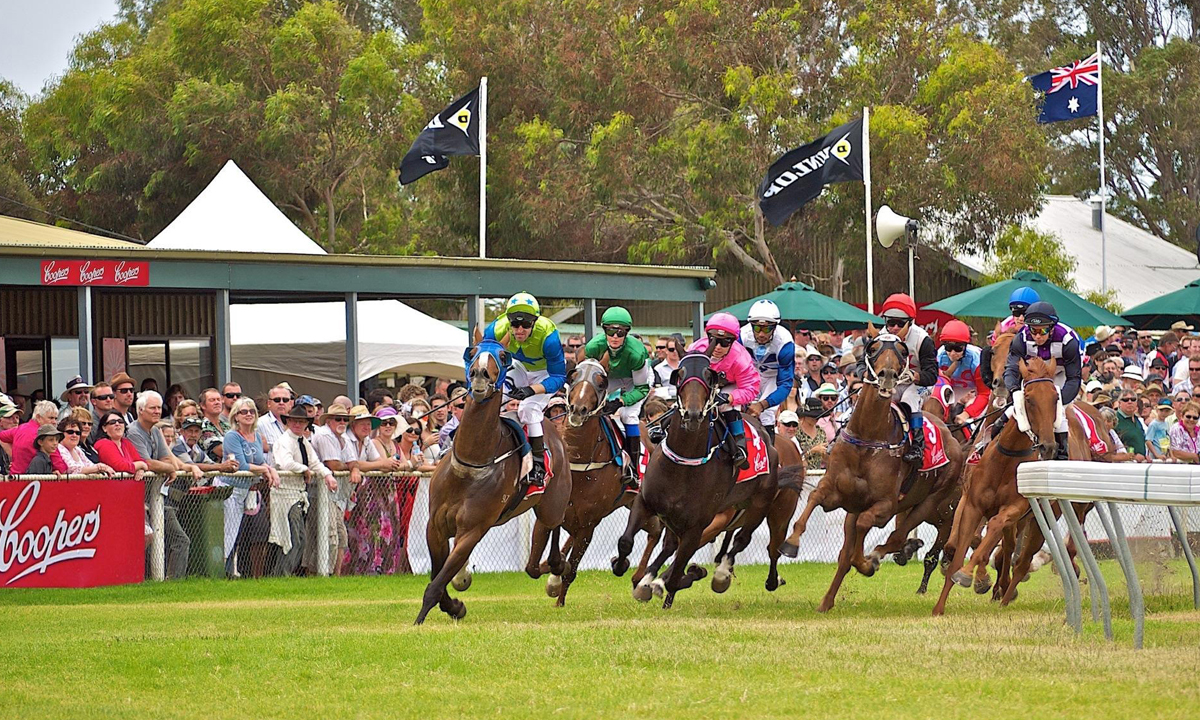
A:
(731, 358)
(959, 363)
(1045, 337)
(1018, 301)
(898, 313)
(538, 370)
(629, 378)
(774, 354)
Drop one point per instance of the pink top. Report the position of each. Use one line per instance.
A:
(739, 370)
(1009, 324)
(21, 438)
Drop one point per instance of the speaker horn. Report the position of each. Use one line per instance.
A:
(890, 225)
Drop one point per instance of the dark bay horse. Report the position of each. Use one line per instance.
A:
(597, 484)
(865, 470)
(688, 496)
(475, 486)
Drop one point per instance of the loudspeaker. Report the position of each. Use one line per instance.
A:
(889, 225)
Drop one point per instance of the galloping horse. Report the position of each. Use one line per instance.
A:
(597, 485)
(475, 486)
(865, 470)
(688, 482)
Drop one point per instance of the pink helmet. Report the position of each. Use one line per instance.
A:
(723, 323)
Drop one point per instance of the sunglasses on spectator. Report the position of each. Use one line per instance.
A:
(84, 423)
(829, 398)
(520, 321)
(78, 392)
(460, 406)
(1193, 369)
(71, 432)
(792, 425)
(340, 418)
(115, 421)
(720, 340)
(1132, 399)
(803, 332)
(246, 411)
(124, 390)
(233, 396)
(102, 398)
(573, 345)
(1191, 417)
(616, 330)
(413, 431)
(955, 347)
(280, 399)
(660, 347)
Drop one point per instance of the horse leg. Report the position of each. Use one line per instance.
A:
(439, 549)
(654, 531)
(637, 517)
(995, 533)
(851, 530)
(897, 542)
(557, 565)
(966, 520)
(866, 521)
(651, 582)
(753, 518)
(1031, 544)
(537, 546)
(678, 579)
(777, 517)
(566, 548)
(1004, 561)
(577, 550)
(791, 546)
(932, 556)
(435, 592)
(724, 547)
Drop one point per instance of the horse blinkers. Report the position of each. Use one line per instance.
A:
(694, 369)
(589, 374)
(887, 378)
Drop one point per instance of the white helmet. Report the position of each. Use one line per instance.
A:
(764, 311)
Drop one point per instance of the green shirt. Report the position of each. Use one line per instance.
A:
(1131, 433)
(630, 361)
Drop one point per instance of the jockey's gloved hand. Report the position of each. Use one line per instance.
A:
(723, 399)
(521, 393)
(612, 406)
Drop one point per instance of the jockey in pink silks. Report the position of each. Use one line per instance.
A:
(732, 359)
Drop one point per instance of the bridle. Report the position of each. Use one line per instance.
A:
(1035, 442)
(694, 367)
(886, 342)
(593, 367)
(499, 354)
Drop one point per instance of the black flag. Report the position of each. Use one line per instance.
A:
(801, 174)
(453, 131)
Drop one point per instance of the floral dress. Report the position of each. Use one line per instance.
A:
(377, 526)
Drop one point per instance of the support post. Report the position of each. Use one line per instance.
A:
(158, 545)
(589, 319)
(352, 346)
(1181, 532)
(866, 150)
(697, 320)
(1096, 585)
(87, 337)
(324, 523)
(474, 316)
(1116, 533)
(483, 167)
(224, 369)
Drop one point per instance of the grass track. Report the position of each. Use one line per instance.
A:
(345, 647)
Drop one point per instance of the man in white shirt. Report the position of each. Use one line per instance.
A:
(271, 425)
(295, 456)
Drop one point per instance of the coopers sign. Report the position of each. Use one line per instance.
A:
(71, 534)
(116, 273)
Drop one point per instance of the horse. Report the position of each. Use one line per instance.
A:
(688, 482)
(865, 470)
(477, 485)
(597, 483)
(992, 489)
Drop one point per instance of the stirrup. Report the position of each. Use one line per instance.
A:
(537, 475)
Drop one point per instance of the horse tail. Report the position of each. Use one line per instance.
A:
(794, 477)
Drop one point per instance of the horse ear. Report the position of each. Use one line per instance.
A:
(1052, 366)
(872, 331)
(1024, 367)
(604, 360)
(478, 334)
(675, 377)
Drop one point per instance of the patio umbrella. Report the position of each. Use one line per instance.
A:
(991, 301)
(1159, 313)
(802, 306)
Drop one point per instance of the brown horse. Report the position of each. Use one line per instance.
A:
(597, 484)
(688, 496)
(991, 492)
(477, 485)
(865, 471)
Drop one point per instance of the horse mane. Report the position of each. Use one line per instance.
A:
(1039, 368)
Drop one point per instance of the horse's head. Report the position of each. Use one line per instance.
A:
(999, 357)
(696, 384)
(1041, 402)
(487, 365)
(886, 358)
(585, 396)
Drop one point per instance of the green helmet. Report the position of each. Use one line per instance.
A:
(617, 315)
(522, 302)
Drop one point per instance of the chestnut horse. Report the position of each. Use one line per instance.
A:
(866, 470)
(475, 486)
(597, 483)
(688, 496)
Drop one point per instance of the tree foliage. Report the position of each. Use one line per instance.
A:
(1023, 248)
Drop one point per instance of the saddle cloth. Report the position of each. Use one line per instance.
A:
(935, 448)
(1095, 442)
(756, 452)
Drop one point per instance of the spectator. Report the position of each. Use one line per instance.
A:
(1092, 388)
(1189, 347)
(789, 424)
(408, 393)
(185, 410)
(231, 392)
(660, 350)
(458, 402)
(103, 400)
(1178, 399)
(808, 381)
(407, 441)
(1145, 347)
(76, 395)
(212, 405)
(556, 412)
(21, 438)
(1192, 380)
(272, 425)
(1103, 400)
(175, 395)
(1129, 349)
(123, 399)
(828, 395)
(1166, 353)
(343, 401)
(1110, 373)
(114, 448)
(72, 454)
(1157, 371)
(1158, 440)
(670, 363)
(441, 386)
(148, 384)
(1129, 425)
(190, 447)
(1183, 436)
(574, 342)
(45, 446)
(243, 446)
(803, 337)
(297, 461)
(1153, 393)
(9, 418)
(831, 376)
(1132, 379)
(86, 422)
(378, 398)
(439, 413)
(167, 428)
(336, 451)
(319, 420)
(812, 438)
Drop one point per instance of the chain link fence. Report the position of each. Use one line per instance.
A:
(231, 525)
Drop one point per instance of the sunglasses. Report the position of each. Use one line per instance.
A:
(340, 418)
(110, 423)
(829, 371)
(520, 322)
(763, 327)
(660, 347)
(412, 431)
(829, 398)
(792, 425)
(102, 398)
(246, 411)
(895, 322)
(720, 340)
(388, 422)
(1128, 399)
(125, 391)
(1017, 311)
(1191, 417)
(84, 423)
(955, 347)
(71, 432)
(280, 399)
(616, 330)
(233, 396)
(573, 345)
(78, 392)
(1039, 330)
(804, 332)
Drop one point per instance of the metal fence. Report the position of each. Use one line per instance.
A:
(223, 525)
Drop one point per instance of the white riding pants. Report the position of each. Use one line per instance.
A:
(630, 414)
(911, 396)
(532, 409)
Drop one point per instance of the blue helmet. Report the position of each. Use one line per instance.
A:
(1022, 297)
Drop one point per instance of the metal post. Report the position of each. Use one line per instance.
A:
(474, 316)
(224, 369)
(352, 346)
(483, 167)
(1072, 579)
(697, 320)
(324, 564)
(866, 151)
(1103, 191)
(158, 546)
(589, 318)
(1096, 585)
(1137, 607)
(1177, 520)
(87, 338)
(1045, 521)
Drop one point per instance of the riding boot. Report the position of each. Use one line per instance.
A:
(537, 475)
(737, 430)
(916, 439)
(1063, 450)
(633, 447)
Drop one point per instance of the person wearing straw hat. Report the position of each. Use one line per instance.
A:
(299, 465)
(45, 446)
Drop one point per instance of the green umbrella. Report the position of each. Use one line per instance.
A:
(991, 301)
(1161, 312)
(800, 304)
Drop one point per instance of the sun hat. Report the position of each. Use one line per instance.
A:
(360, 412)
(1093, 386)
(812, 407)
(296, 413)
(192, 421)
(1102, 333)
(7, 410)
(812, 351)
(308, 400)
(1133, 372)
(75, 383)
(826, 389)
(46, 431)
(1164, 404)
(386, 411)
(788, 416)
(335, 410)
(1181, 325)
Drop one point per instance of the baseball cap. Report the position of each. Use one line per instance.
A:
(191, 422)
(788, 416)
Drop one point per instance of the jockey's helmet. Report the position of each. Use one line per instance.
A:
(764, 311)
(1041, 313)
(955, 331)
(899, 305)
(617, 315)
(722, 324)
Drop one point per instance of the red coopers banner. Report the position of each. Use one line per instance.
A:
(71, 534)
(119, 273)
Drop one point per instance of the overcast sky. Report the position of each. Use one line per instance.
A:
(36, 36)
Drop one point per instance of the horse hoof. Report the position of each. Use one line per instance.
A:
(772, 585)
(620, 566)
(782, 582)
(788, 549)
(642, 592)
(462, 580)
(982, 586)
(721, 582)
(825, 606)
(458, 610)
(922, 590)
(912, 545)
(961, 578)
(900, 559)
(659, 588)
(696, 572)
(553, 585)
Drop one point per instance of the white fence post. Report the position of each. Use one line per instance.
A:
(324, 567)
(158, 546)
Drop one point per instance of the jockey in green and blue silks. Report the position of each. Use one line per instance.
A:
(628, 374)
(538, 370)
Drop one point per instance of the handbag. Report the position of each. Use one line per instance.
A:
(253, 503)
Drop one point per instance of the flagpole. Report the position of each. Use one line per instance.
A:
(1103, 187)
(483, 167)
(866, 145)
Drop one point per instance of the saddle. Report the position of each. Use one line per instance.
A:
(526, 454)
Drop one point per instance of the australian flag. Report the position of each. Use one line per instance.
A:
(1070, 91)
(453, 131)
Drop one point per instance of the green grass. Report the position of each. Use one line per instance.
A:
(346, 647)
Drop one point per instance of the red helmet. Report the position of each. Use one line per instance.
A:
(899, 305)
(956, 331)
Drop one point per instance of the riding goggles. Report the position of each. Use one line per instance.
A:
(955, 347)
(895, 322)
(619, 331)
(722, 340)
(521, 320)
(1017, 310)
(764, 327)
